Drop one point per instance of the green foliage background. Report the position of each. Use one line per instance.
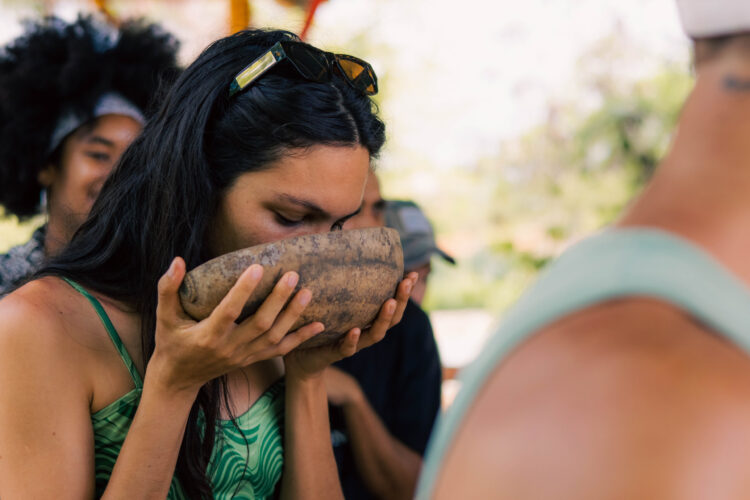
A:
(555, 185)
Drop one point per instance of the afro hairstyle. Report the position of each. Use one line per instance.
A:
(58, 67)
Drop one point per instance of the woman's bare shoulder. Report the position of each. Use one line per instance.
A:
(46, 321)
(45, 426)
(632, 398)
(39, 303)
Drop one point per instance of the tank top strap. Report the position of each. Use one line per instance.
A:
(113, 335)
(616, 263)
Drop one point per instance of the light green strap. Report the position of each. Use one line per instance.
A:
(112, 333)
(614, 264)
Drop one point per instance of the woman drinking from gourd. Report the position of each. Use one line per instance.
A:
(108, 388)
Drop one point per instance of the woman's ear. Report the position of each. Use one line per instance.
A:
(47, 175)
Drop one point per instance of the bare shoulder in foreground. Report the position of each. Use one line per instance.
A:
(630, 399)
(49, 349)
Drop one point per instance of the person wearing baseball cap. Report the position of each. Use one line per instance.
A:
(624, 371)
(417, 240)
(384, 399)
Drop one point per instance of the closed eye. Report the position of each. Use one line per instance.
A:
(99, 157)
(284, 221)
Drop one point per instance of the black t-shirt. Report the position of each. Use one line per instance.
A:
(401, 377)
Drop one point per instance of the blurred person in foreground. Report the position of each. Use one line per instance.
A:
(624, 372)
(73, 96)
(417, 239)
(385, 398)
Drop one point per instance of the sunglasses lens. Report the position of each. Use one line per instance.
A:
(310, 62)
(359, 73)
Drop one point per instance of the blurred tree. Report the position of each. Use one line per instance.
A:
(562, 180)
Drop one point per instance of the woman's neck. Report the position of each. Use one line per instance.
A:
(702, 189)
(54, 239)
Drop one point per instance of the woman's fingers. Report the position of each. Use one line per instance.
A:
(294, 339)
(382, 323)
(349, 344)
(231, 305)
(390, 313)
(266, 315)
(168, 307)
(288, 316)
(402, 297)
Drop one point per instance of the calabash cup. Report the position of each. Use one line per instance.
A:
(350, 274)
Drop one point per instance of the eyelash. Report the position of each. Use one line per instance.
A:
(101, 157)
(287, 222)
(337, 226)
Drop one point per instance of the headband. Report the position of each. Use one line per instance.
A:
(111, 103)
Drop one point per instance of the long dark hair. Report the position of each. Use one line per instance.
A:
(160, 200)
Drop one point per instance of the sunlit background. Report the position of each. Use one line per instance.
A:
(519, 127)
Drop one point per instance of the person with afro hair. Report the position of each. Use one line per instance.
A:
(73, 96)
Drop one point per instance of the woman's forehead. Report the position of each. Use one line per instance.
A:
(330, 178)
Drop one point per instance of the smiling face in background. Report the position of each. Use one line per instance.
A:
(86, 159)
(314, 190)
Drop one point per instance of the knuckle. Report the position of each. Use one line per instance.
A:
(205, 343)
(383, 320)
(228, 314)
(162, 286)
(378, 334)
(225, 312)
(223, 352)
(275, 336)
(263, 323)
(245, 287)
(295, 308)
(284, 349)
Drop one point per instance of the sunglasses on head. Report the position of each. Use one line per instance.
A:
(313, 64)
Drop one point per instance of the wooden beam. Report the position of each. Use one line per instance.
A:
(239, 15)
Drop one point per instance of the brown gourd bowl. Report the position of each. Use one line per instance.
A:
(350, 274)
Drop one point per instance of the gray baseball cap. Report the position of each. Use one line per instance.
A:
(417, 236)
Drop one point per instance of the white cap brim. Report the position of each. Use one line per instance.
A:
(711, 18)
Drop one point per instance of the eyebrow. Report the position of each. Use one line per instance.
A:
(97, 139)
(312, 207)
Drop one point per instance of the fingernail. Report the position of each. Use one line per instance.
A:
(291, 280)
(390, 308)
(409, 286)
(304, 297)
(170, 271)
(256, 271)
(320, 328)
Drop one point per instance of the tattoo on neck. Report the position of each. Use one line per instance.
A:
(736, 84)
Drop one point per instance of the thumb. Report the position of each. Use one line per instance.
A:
(169, 307)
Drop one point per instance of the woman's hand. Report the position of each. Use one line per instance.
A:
(188, 353)
(306, 363)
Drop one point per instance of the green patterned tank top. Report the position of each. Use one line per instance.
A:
(247, 460)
